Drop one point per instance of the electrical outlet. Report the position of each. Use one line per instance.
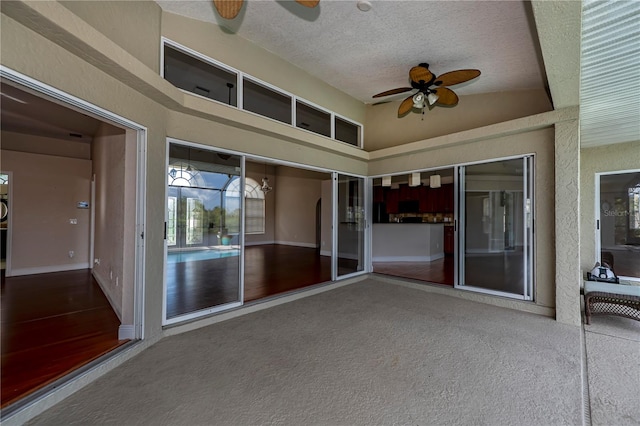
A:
(71, 253)
(116, 281)
(73, 221)
(96, 260)
(111, 274)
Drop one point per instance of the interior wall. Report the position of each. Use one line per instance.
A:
(384, 129)
(12, 141)
(296, 195)
(600, 159)
(46, 190)
(109, 155)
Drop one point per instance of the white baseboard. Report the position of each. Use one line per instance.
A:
(325, 252)
(258, 243)
(408, 258)
(102, 283)
(47, 269)
(296, 244)
(126, 331)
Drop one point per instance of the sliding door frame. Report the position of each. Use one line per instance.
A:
(528, 218)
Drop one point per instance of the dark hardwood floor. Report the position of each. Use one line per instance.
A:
(269, 270)
(51, 325)
(439, 271)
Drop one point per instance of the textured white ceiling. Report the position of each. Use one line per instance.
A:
(363, 53)
(610, 73)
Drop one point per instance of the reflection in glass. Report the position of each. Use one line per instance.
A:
(202, 231)
(351, 224)
(494, 229)
(620, 223)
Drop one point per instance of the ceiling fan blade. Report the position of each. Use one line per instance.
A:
(456, 77)
(393, 92)
(446, 97)
(420, 73)
(308, 3)
(405, 106)
(228, 9)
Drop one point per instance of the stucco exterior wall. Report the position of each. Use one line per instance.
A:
(599, 160)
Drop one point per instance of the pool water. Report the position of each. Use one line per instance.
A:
(205, 254)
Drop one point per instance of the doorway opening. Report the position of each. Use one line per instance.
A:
(56, 150)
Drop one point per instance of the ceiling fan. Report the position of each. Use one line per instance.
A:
(229, 9)
(423, 80)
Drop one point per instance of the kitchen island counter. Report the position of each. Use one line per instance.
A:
(407, 242)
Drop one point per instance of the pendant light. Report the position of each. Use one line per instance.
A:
(265, 181)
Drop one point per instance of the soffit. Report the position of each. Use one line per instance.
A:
(610, 79)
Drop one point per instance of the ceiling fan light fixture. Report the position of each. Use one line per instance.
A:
(432, 98)
(419, 100)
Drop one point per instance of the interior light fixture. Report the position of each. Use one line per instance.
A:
(386, 181)
(419, 100)
(432, 98)
(265, 181)
(435, 181)
(414, 179)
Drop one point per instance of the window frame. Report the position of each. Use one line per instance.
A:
(241, 76)
(598, 219)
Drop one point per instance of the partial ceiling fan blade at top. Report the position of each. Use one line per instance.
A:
(393, 92)
(456, 77)
(446, 97)
(308, 3)
(405, 106)
(228, 9)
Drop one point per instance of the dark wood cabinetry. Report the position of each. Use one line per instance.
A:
(378, 194)
(447, 198)
(429, 200)
(392, 199)
(449, 240)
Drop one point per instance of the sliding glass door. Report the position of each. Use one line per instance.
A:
(495, 213)
(202, 232)
(351, 225)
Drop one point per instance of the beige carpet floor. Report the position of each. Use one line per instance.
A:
(369, 353)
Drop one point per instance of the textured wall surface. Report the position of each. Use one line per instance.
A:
(567, 225)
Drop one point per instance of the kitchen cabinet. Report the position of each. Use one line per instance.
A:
(449, 240)
(428, 200)
(378, 194)
(447, 198)
(392, 201)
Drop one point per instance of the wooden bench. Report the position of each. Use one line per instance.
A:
(611, 299)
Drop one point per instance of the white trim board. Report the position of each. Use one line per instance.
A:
(102, 283)
(48, 269)
(408, 258)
